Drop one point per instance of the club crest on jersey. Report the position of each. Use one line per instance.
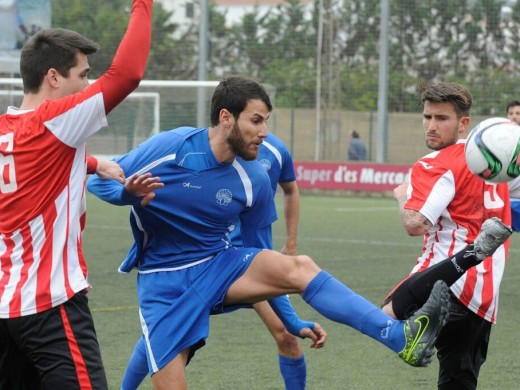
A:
(266, 164)
(224, 197)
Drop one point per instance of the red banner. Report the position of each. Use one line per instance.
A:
(350, 176)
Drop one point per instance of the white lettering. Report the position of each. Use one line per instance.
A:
(371, 176)
(344, 175)
(313, 175)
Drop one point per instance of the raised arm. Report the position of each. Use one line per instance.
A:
(129, 62)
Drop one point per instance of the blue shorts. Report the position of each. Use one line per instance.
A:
(175, 306)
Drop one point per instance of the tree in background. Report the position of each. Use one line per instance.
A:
(105, 22)
(435, 40)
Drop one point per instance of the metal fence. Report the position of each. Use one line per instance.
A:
(334, 66)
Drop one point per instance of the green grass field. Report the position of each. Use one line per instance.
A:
(358, 240)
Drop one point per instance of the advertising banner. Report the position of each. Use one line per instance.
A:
(350, 176)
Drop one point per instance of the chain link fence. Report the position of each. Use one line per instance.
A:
(324, 61)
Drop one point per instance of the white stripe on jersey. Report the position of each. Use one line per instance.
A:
(248, 186)
(59, 241)
(14, 271)
(155, 163)
(38, 239)
(275, 151)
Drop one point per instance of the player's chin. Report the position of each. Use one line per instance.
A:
(434, 145)
(250, 154)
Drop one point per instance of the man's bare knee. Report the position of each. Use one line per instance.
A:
(304, 270)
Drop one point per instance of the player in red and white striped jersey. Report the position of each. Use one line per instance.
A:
(46, 329)
(448, 205)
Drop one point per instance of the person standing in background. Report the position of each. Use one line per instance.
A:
(356, 149)
(513, 111)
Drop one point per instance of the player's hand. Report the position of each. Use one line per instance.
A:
(110, 170)
(317, 335)
(143, 186)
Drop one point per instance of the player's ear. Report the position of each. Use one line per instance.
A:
(52, 77)
(464, 122)
(226, 118)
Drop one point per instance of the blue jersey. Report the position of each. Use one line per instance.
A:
(190, 218)
(274, 156)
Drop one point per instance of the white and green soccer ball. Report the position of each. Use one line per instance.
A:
(492, 150)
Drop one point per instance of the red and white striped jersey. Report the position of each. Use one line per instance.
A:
(457, 202)
(42, 180)
(42, 200)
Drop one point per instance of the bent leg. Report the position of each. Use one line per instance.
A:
(291, 357)
(272, 274)
(413, 292)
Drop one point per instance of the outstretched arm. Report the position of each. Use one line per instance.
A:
(106, 169)
(138, 190)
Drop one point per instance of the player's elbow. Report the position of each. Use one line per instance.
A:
(413, 229)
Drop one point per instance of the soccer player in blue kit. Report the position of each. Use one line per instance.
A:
(276, 159)
(187, 187)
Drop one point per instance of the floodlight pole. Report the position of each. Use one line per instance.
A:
(382, 96)
(203, 63)
(317, 137)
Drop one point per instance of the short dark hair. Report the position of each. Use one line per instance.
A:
(51, 48)
(355, 134)
(455, 94)
(512, 103)
(233, 94)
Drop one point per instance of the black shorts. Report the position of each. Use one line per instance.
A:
(56, 349)
(462, 347)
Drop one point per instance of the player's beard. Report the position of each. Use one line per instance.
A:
(441, 144)
(238, 145)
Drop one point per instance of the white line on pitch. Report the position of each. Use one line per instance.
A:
(364, 209)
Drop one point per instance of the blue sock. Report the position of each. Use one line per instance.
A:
(137, 368)
(294, 372)
(338, 303)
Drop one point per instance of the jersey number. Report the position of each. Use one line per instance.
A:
(491, 198)
(7, 169)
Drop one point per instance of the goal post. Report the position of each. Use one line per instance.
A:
(137, 118)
